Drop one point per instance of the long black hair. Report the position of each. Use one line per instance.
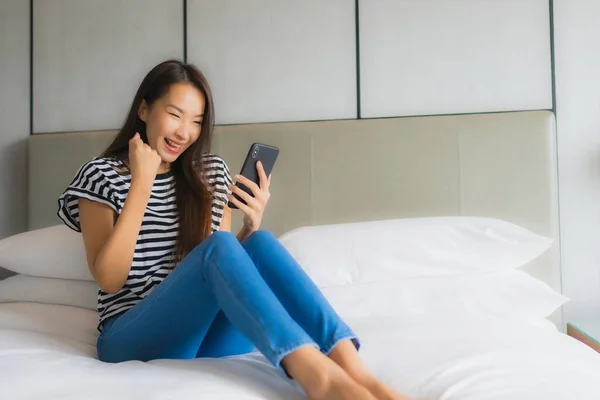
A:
(194, 199)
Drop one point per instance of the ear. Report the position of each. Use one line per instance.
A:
(143, 111)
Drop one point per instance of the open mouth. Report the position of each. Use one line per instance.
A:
(172, 146)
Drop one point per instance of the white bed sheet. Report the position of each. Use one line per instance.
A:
(48, 351)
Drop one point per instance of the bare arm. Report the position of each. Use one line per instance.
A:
(226, 219)
(226, 225)
(110, 246)
(244, 233)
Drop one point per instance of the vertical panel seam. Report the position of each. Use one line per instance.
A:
(552, 55)
(184, 30)
(556, 150)
(461, 208)
(357, 34)
(30, 67)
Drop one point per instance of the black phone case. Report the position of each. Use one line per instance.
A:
(264, 153)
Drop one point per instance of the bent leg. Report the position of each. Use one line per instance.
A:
(297, 292)
(224, 339)
(173, 320)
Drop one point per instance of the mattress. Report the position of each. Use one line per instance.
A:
(48, 351)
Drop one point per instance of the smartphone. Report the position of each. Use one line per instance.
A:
(264, 153)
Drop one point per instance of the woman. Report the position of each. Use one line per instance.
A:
(174, 282)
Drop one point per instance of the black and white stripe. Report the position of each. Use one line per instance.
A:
(106, 180)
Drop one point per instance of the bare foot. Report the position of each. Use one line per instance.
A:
(346, 356)
(342, 387)
(382, 391)
(321, 378)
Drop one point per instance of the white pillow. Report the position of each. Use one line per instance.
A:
(499, 294)
(401, 248)
(35, 289)
(53, 252)
(331, 254)
(60, 326)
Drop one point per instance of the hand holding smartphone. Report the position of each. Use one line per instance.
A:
(264, 153)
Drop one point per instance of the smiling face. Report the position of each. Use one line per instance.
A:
(173, 121)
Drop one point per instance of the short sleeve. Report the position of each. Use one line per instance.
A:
(219, 178)
(90, 182)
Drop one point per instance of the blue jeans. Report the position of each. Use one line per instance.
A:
(226, 298)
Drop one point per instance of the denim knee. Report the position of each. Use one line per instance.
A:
(215, 239)
(218, 241)
(260, 236)
(221, 237)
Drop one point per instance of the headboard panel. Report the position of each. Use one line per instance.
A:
(498, 165)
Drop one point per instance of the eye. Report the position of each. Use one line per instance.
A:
(198, 122)
(175, 115)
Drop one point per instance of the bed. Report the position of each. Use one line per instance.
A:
(480, 318)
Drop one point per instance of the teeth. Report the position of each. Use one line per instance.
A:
(171, 144)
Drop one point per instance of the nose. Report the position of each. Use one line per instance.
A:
(182, 134)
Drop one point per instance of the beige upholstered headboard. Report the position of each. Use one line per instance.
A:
(498, 165)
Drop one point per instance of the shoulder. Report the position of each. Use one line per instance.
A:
(95, 180)
(215, 170)
(99, 164)
(101, 174)
(210, 160)
(215, 166)
(107, 167)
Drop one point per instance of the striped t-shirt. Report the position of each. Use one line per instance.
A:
(107, 180)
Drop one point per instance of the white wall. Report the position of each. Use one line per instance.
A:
(90, 57)
(577, 53)
(289, 61)
(459, 56)
(14, 115)
(273, 60)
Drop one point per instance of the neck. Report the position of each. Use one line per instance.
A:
(164, 167)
